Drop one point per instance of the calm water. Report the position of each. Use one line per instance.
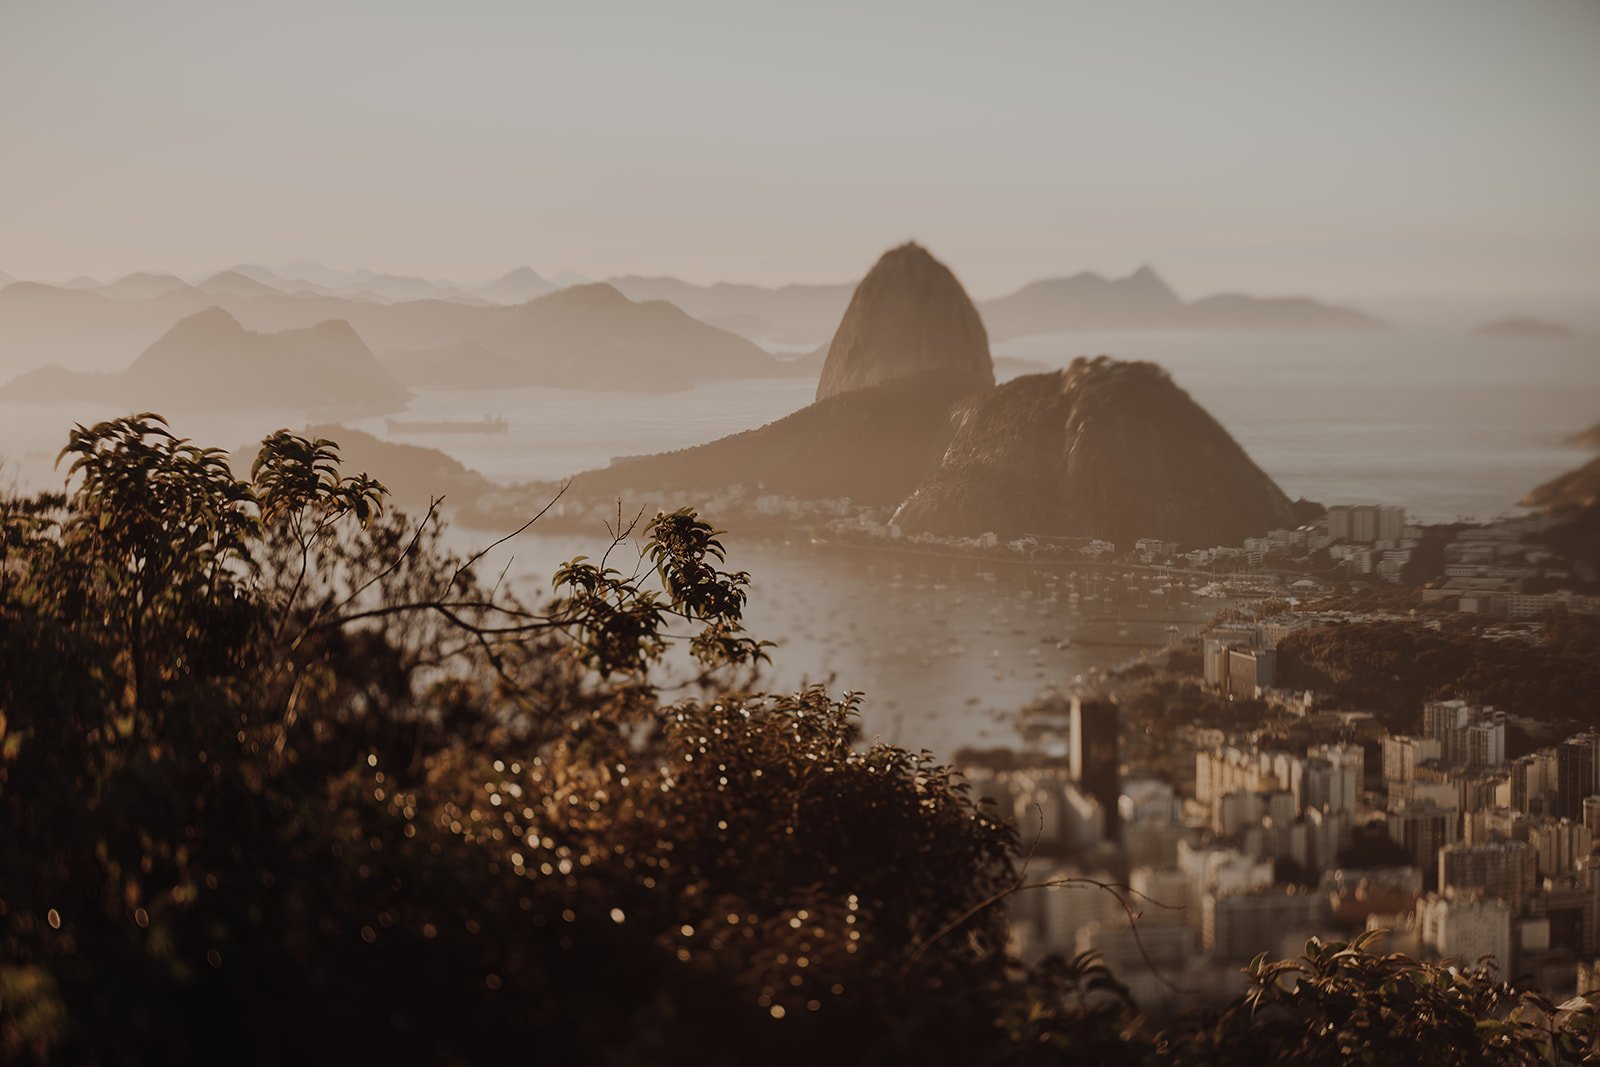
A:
(944, 649)
(1446, 425)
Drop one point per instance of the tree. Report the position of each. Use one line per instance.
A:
(281, 778)
(1340, 1004)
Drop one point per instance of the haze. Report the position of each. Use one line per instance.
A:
(1439, 151)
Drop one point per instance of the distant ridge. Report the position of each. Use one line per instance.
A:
(586, 337)
(1142, 301)
(567, 338)
(209, 360)
(398, 313)
(1085, 301)
(515, 287)
(234, 283)
(143, 286)
(803, 312)
(1523, 327)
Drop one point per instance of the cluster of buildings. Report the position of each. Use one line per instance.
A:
(1335, 826)
(1501, 570)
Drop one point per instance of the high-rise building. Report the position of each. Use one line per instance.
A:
(1468, 736)
(1093, 754)
(1331, 783)
(1339, 522)
(1236, 926)
(1562, 844)
(1533, 782)
(1504, 869)
(1249, 669)
(1467, 927)
(1574, 776)
(1591, 815)
(1391, 523)
(1424, 829)
(1402, 755)
(1366, 523)
(1486, 741)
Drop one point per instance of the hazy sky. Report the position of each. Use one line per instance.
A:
(1350, 148)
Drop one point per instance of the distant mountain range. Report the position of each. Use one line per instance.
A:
(209, 360)
(787, 316)
(1523, 327)
(1142, 301)
(908, 417)
(586, 337)
(632, 334)
(1082, 303)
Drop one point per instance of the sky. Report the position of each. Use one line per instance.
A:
(1360, 150)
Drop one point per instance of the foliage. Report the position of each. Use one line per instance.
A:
(1340, 1004)
(1394, 667)
(281, 779)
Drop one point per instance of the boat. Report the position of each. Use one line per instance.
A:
(487, 424)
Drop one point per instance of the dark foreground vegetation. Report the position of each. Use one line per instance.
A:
(282, 780)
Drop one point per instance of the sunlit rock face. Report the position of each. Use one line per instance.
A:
(1101, 449)
(909, 319)
(1577, 488)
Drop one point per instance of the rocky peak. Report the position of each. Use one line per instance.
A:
(909, 318)
(1104, 448)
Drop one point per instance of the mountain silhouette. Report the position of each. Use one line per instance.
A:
(909, 318)
(236, 283)
(587, 337)
(1142, 301)
(143, 286)
(515, 287)
(1523, 327)
(1105, 449)
(210, 360)
(1238, 312)
(1084, 301)
(907, 418)
(786, 312)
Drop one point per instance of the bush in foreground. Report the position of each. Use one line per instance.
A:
(284, 780)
